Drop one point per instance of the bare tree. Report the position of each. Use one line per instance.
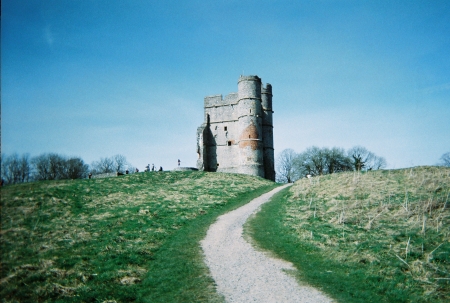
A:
(378, 163)
(445, 159)
(286, 168)
(317, 161)
(104, 165)
(312, 161)
(10, 166)
(117, 163)
(75, 168)
(360, 156)
(15, 168)
(48, 166)
(56, 167)
(120, 163)
(337, 161)
(25, 168)
(361, 159)
(41, 167)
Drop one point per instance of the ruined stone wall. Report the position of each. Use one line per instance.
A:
(232, 136)
(221, 122)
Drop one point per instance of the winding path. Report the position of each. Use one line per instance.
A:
(243, 274)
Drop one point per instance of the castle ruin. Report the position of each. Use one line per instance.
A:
(237, 133)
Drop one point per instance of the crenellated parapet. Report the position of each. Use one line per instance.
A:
(218, 100)
(215, 100)
(249, 87)
(266, 97)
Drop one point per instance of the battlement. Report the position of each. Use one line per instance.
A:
(249, 78)
(267, 89)
(218, 100)
(213, 100)
(231, 98)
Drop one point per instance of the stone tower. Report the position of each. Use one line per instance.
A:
(267, 128)
(237, 134)
(251, 160)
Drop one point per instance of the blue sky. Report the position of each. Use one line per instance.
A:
(97, 78)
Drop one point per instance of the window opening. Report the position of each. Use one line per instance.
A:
(229, 143)
(225, 128)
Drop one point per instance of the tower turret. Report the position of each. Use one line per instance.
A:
(250, 120)
(267, 122)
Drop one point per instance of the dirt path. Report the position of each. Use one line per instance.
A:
(243, 274)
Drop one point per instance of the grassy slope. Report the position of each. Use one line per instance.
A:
(129, 238)
(381, 236)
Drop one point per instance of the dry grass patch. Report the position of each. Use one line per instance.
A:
(399, 218)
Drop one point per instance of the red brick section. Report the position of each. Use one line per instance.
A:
(250, 132)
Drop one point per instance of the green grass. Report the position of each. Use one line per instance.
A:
(123, 239)
(381, 236)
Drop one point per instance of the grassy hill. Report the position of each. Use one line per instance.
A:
(121, 239)
(380, 236)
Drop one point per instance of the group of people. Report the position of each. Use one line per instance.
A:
(147, 168)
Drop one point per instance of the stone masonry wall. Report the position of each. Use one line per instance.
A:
(236, 135)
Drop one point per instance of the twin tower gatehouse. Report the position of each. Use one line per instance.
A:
(237, 134)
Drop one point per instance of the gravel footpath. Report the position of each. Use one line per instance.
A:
(243, 274)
